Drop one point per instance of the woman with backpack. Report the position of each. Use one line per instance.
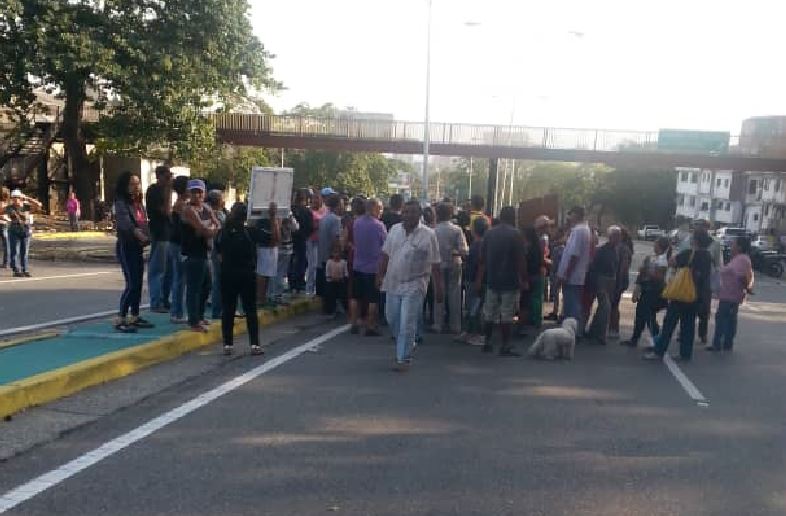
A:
(236, 246)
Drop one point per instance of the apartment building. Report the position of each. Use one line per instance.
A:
(765, 202)
(713, 195)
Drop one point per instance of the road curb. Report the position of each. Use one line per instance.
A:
(52, 385)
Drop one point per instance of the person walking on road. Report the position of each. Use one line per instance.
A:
(158, 200)
(176, 259)
(452, 249)
(74, 210)
(736, 281)
(503, 266)
(20, 230)
(132, 238)
(573, 267)
(603, 275)
(647, 294)
(410, 257)
(699, 261)
(368, 238)
(624, 258)
(236, 248)
(200, 225)
(329, 234)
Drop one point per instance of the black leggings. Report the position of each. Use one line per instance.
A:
(242, 284)
(129, 254)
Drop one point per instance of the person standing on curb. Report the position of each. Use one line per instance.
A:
(215, 199)
(267, 254)
(410, 257)
(158, 200)
(289, 227)
(452, 248)
(199, 227)
(318, 211)
(305, 223)
(4, 198)
(369, 236)
(236, 247)
(573, 267)
(176, 259)
(20, 230)
(132, 238)
(502, 265)
(74, 210)
(329, 234)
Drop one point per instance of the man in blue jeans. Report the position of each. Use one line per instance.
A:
(158, 201)
(573, 266)
(410, 256)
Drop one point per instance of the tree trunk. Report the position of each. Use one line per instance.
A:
(84, 172)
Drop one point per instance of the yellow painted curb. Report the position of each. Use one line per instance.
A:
(66, 235)
(49, 386)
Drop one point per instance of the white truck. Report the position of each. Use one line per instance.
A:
(650, 232)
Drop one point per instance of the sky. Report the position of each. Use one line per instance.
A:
(637, 65)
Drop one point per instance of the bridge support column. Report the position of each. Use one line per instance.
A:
(491, 188)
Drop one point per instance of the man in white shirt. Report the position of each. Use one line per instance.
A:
(573, 266)
(410, 257)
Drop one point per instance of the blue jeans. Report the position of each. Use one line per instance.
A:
(312, 257)
(159, 275)
(402, 313)
(277, 284)
(177, 262)
(4, 244)
(132, 263)
(571, 305)
(20, 244)
(685, 314)
(197, 288)
(215, 287)
(725, 325)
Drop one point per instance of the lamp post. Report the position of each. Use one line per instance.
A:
(426, 125)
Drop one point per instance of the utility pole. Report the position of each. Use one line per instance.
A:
(426, 124)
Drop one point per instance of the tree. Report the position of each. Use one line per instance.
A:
(638, 196)
(231, 165)
(360, 173)
(154, 65)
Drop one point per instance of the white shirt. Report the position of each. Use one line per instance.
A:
(410, 257)
(578, 245)
(452, 244)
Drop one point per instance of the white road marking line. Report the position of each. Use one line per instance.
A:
(687, 385)
(65, 276)
(59, 322)
(54, 477)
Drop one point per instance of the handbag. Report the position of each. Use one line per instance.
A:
(681, 288)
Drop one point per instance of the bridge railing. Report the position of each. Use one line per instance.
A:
(440, 133)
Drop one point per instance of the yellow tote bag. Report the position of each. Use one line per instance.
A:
(681, 287)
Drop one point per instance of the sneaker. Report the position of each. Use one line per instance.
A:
(27, 274)
(138, 322)
(227, 350)
(651, 355)
(198, 328)
(372, 333)
(256, 349)
(401, 367)
(18, 274)
(178, 320)
(120, 324)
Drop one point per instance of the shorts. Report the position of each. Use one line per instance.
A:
(267, 261)
(500, 305)
(364, 287)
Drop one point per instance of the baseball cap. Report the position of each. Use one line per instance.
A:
(196, 184)
(16, 193)
(327, 191)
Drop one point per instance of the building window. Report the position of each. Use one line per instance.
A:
(705, 206)
(728, 206)
(684, 177)
(719, 204)
(767, 211)
(725, 183)
(752, 186)
(717, 183)
(692, 202)
(694, 177)
(755, 217)
(778, 185)
(766, 185)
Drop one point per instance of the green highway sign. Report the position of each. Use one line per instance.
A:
(680, 140)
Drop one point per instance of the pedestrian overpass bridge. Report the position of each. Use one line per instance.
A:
(612, 147)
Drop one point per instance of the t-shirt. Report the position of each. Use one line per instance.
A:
(336, 270)
(316, 217)
(305, 222)
(503, 253)
(578, 245)
(20, 222)
(410, 258)
(368, 237)
(390, 219)
(452, 244)
(473, 260)
(733, 278)
(159, 222)
(606, 262)
(329, 233)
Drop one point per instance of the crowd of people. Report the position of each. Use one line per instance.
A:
(415, 268)
(16, 229)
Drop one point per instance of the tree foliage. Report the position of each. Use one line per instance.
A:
(360, 173)
(231, 165)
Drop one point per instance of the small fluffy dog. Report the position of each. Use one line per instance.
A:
(556, 342)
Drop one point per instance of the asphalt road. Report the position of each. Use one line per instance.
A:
(58, 291)
(462, 433)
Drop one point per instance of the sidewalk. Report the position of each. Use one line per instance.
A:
(41, 369)
(86, 246)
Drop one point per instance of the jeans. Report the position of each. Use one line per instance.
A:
(474, 310)
(703, 314)
(277, 283)
(177, 262)
(297, 270)
(312, 257)
(242, 284)
(197, 288)
(132, 263)
(159, 276)
(215, 287)
(646, 316)
(599, 328)
(4, 244)
(452, 283)
(20, 245)
(725, 325)
(402, 313)
(572, 305)
(685, 314)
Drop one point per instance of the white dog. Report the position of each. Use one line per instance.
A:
(556, 342)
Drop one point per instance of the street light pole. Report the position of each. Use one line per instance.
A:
(426, 125)
(470, 178)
